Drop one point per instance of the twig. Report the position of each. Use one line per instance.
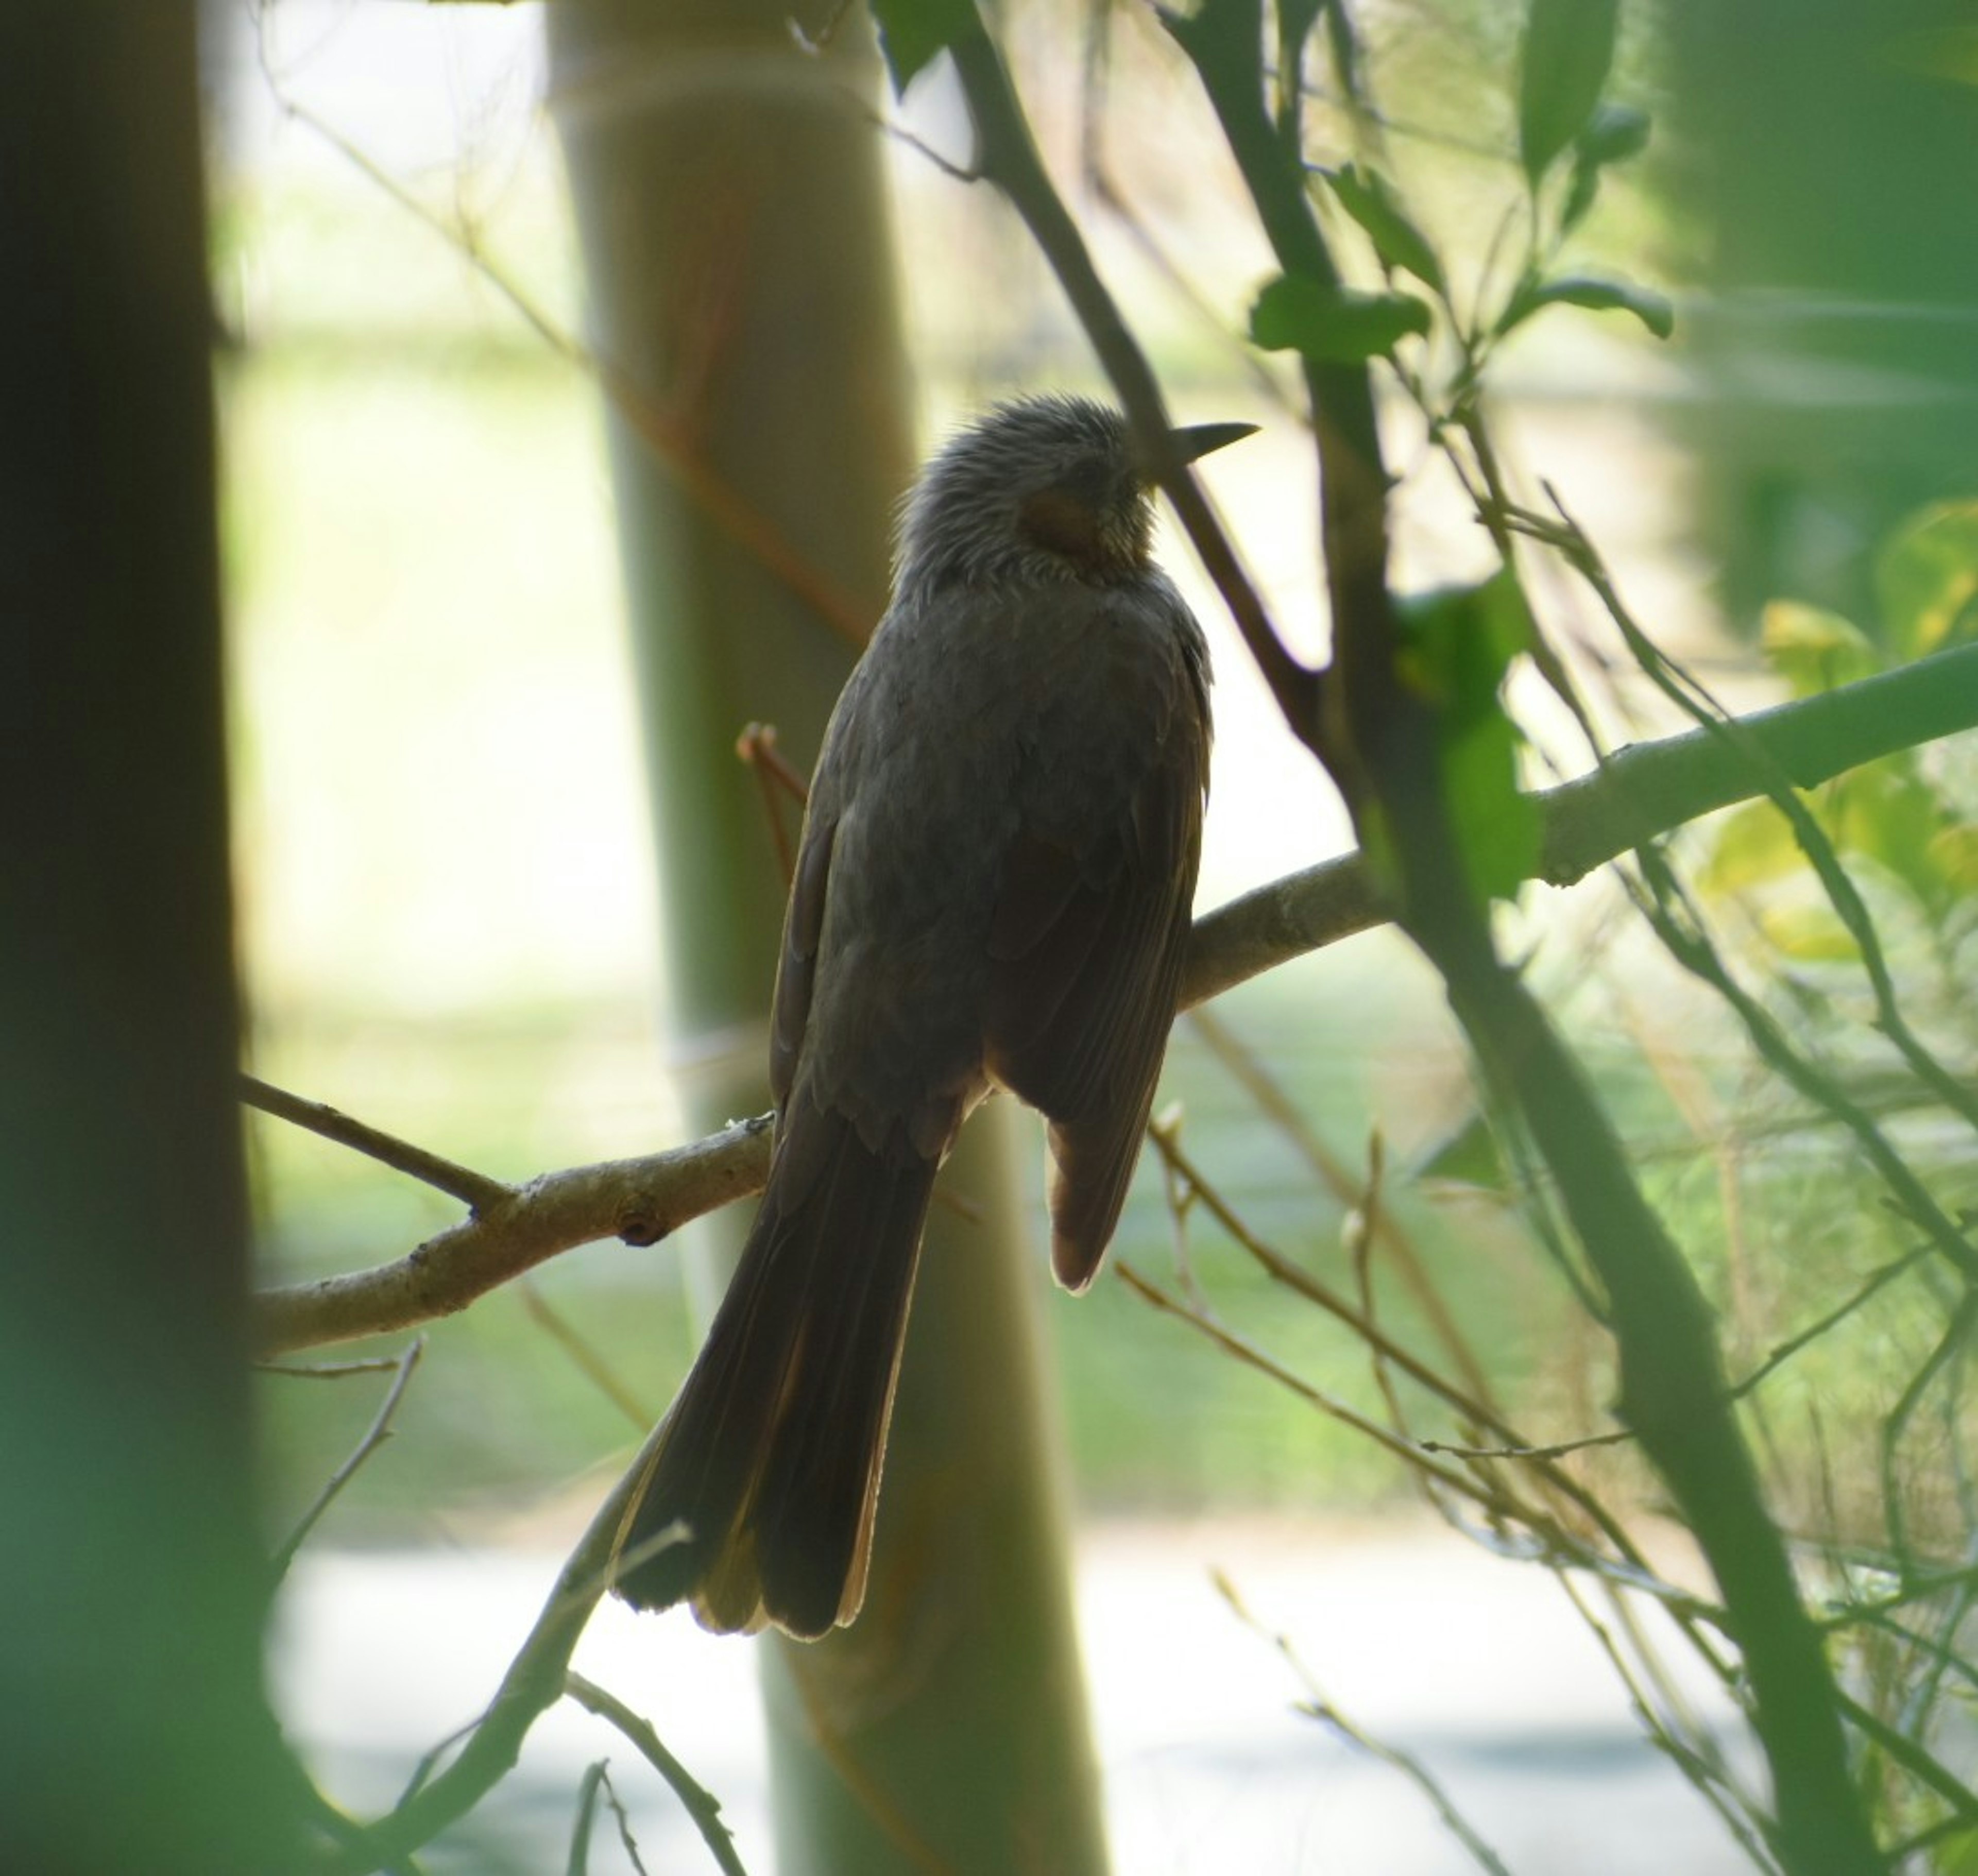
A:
(588, 1362)
(1318, 1707)
(1007, 155)
(699, 1803)
(1647, 790)
(1252, 1356)
(475, 1190)
(1672, 913)
(669, 438)
(1922, 1766)
(757, 745)
(592, 1781)
(625, 1837)
(374, 1436)
(1819, 1327)
(329, 1371)
(534, 1682)
(636, 1201)
(1383, 1226)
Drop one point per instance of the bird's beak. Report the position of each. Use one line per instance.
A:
(1192, 444)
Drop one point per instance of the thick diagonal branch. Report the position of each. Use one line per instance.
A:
(1641, 793)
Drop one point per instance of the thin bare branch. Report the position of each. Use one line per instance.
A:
(475, 1190)
(699, 1803)
(533, 1682)
(637, 1201)
(1646, 790)
(1318, 1706)
(374, 1436)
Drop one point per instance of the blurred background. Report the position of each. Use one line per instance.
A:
(451, 921)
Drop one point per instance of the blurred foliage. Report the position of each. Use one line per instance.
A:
(1520, 176)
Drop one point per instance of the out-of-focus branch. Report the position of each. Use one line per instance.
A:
(1641, 793)
(1638, 795)
(1379, 741)
(536, 1678)
(1007, 156)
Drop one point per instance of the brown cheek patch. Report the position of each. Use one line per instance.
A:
(1060, 522)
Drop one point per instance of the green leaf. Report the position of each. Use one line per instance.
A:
(1808, 934)
(1616, 132)
(1652, 309)
(1812, 649)
(1458, 643)
(1926, 580)
(1497, 824)
(911, 32)
(1468, 1155)
(1887, 812)
(1295, 21)
(1953, 853)
(1367, 197)
(1750, 846)
(1333, 326)
(1569, 47)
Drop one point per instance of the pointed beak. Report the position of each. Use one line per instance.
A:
(1195, 442)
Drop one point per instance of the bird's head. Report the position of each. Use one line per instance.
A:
(1043, 488)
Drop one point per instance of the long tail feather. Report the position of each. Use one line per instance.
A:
(767, 1473)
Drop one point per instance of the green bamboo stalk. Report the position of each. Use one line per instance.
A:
(133, 1731)
(738, 256)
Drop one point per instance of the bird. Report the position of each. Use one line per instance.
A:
(993, 889)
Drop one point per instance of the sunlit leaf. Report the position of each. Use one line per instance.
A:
(1888, 813)
(1368, 197)
(1808, 934)
(1468, 1155)
(1569, 47)
(912, 32)
(1596, 295)
(1813, 650)
(1334, 326)
(1458, 643)
(1926, 580)
(1953, 851)
(1751, 846)
(1616, 132)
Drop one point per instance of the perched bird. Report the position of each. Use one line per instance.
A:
(993, 889)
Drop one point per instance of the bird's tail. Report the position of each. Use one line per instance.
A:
(758, 1500)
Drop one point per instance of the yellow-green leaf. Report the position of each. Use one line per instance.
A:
(1926, 580)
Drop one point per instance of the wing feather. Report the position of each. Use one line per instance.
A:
(1086, 956)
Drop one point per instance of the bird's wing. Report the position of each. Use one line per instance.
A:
(1086, 952)
(803, 926)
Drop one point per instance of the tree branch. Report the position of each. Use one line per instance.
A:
(1641, 793)
(638, 1202)
(475, 1190)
